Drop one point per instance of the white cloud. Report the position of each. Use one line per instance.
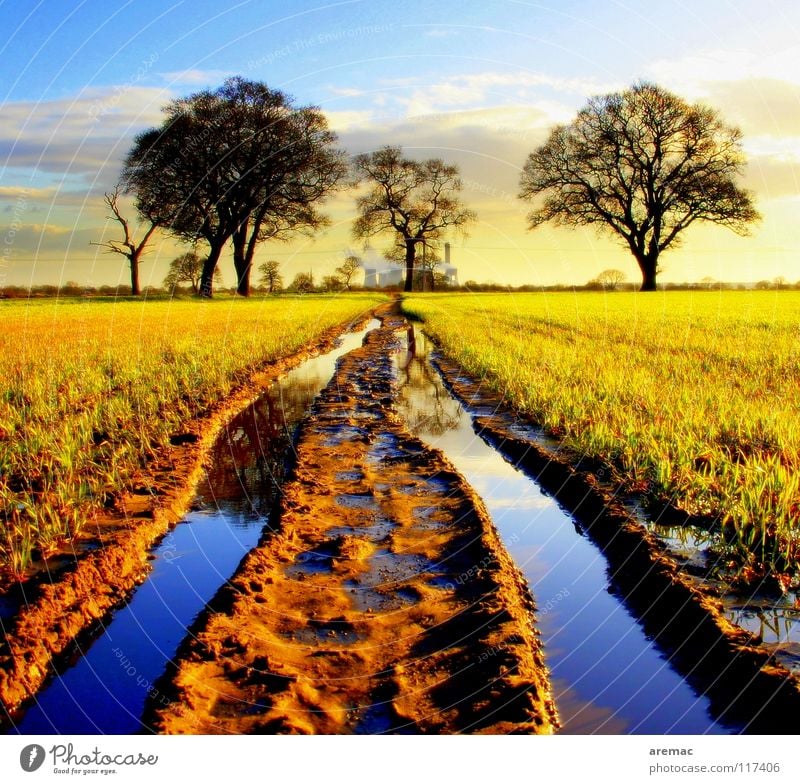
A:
(344, 120)
(692, 73)
(761, 107)
(346, 92)
(441, 32)
(84, 135)
(195, 77)
(409, 97)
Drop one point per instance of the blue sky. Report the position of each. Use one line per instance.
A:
(479, 84)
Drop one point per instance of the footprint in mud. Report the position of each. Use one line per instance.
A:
(316, 561)
(377, 532)
(341, 434)
(353, 475)
(336, 631)
(357, 500)
(438, 488)
(341, 549)
(370, 599)
(388, 447)
(388, 584)
(430, 518)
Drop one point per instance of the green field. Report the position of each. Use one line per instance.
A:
(690, 398)
(92, 390)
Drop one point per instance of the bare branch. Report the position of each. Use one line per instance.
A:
(127, 246)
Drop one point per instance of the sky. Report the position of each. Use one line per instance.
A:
(479, 84)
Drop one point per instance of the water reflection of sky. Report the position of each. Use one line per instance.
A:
(607, 675)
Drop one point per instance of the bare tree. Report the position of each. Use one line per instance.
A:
(187, 268)
(428, 259)
(127, 246)
(708, 283)
(780, 282)
(290, 171)
(303, 283)
(610, 279)
(346, 272)
(644, 165)
(271, 276)
(417, 200)
(331, 283)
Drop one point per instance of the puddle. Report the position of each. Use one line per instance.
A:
(104, 692)
(349, 476)
(341, 434)
(311, 562)
(357, 501)
(774, 618)
(382, 586)
(608, 676)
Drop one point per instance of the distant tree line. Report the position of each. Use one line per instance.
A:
(307, 283)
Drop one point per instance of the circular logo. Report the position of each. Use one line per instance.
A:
(31, 757)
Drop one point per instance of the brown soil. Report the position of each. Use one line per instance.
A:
(385, 602)
(742, 679)
(67, 595)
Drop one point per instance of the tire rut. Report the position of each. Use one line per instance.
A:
(384, 601)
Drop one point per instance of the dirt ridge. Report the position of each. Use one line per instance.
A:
(385, 602)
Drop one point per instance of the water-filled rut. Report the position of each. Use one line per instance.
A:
(385, 602)
(608, 674)
(103, 688)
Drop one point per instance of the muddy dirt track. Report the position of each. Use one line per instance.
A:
(383, 601)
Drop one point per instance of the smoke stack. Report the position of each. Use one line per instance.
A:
(447, 253)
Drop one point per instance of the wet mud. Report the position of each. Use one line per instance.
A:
(383, 601)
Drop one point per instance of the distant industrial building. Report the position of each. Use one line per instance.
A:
(379, 273)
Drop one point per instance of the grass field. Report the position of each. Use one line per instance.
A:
(692, 398)
(90, 390)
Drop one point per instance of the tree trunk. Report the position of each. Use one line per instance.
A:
(242, 279)
(648, 264)
(134, 264)
(241, 263)
(209, 268)
(411, 252)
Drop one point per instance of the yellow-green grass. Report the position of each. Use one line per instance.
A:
(693, 397)
(91, 390)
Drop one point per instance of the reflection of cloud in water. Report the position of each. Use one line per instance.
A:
(530, 554)
(585, 718)
(502, 501)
